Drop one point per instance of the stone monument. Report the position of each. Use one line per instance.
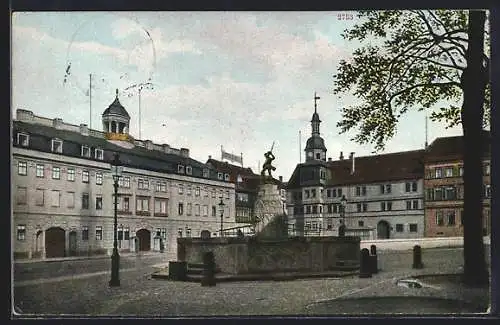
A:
(270, 217)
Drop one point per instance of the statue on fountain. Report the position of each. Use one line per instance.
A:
(267, 166)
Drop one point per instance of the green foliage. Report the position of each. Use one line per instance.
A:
(411, 60)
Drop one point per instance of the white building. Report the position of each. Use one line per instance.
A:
(63, 191)
(383, 193)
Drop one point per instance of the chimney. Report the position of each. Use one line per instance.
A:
(185, 152)
(24, 115)
(84, 129)
(149, 144)
(57, 123)
(209, 157)
(341, 156)
(281, 179)
(353, 169)
(166, 148)
(329, 159)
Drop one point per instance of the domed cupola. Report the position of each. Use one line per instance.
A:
(315, 145)
(116, 121)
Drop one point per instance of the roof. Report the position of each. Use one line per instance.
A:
(452, 148)
(136, 157)
(116, 108)
(315, 142)
(232, 170)
(315, 117)
(368, 169)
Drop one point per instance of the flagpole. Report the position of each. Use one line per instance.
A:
(221, 153)
(241, 155)
(90, 100)
(300, 147)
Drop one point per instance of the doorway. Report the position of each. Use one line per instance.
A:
(55, 242)
(144, 240)
(383, 230)
(72, 244)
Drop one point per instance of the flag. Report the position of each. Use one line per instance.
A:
(231, 157)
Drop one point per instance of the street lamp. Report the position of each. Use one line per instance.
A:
(221, 207)
(343, 204)
(116, 171)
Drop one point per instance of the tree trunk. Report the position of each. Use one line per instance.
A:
(474, 80)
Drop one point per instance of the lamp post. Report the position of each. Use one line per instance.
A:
(221, 207)
(343, 204)
(116, 171)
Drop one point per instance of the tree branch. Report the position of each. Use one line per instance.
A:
(428, 84)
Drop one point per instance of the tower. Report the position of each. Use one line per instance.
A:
(315, 145)
(116, 121)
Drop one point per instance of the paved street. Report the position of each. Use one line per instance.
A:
(140, 295)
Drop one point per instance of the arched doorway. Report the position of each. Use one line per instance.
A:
(144, 240)
(38, 244)
(55, 242)
(72, 243)
(383, 230)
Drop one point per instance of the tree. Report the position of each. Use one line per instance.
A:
(419, 59)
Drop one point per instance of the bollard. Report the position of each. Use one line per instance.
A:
(417, 257)
(177, 270)
(364, 265)
(208, 275)
(373, 259)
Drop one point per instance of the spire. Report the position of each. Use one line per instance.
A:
(116, 93)
(316, 97)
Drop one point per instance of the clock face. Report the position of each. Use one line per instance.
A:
(310, 154)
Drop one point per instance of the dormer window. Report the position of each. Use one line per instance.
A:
(57, 145)
(23, 139)
(99, 154)
(180, 169)
(239, 179)
(226, 177)
(189, 170)
(205, 172)
(220, 176)
(85, 151)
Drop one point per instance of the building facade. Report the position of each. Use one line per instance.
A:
(63, 194)
(383, 194)
(445, 187)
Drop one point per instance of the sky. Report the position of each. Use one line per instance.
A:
(241, 80)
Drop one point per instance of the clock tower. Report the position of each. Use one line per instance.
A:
(315, 146)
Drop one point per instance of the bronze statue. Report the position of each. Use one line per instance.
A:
(267, 164)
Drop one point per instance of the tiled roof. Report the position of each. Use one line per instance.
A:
(232, 170)
(449, 148)
(116, 108)
(137, 157)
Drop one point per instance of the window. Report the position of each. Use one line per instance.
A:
(314, 209)
(56, 172)
(487, 191)
(365, 207)
(486, 170)
(23, 139)
(450, 193)
(358, 190)
(127, 234)
(98, 178)
(85, 233)
(413, 227)
(22, 168)
(461, 170)
(21, 232)
(408, 205)
(308, 209)
(71, 175)
(438, 194)
(181, 210)
(462, 217)
(85, 151)
(71, 200)
(205, 190)
(399, 227)
(361, 223)
(55, 198)
(382, 206)
(320, 209)
(214, 211)
(189, 170)
(142, 204)
(328, 193)
(227, 195)
(197, 191)
(40, 170)
(142, 184)
(358, 207)
(125, 204)
(213, 193)
(39, 197)
(205, 173)
(21, 195)
(414, 186)
(181, 189)
(226, 177)
(85, 176)
(99, 154)
(160, 206)
(385, 189)
(220, 176)
(179, 233)
(306, 194)
(161, 186)
(415, 204)
(451, 218)
(313, 193)
(57, 145)
(439, 218)
(85, 200)
(339, 192)
(438, 173)
(98, 202)
(119, 233)
(180, 169)
(197, 209)
(188, 232)
(448, 172)
(205, 211)
(98, 232)
(189, 190)
(189, 209)
(389, 206)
